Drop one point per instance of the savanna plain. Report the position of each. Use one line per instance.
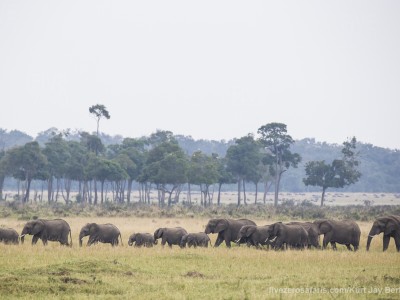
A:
(104, 272)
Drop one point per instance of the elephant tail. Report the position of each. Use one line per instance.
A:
(120, 236)
(70, 236)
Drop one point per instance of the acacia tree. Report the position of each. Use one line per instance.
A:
(274, 137)
(99, 111)
(338, 174)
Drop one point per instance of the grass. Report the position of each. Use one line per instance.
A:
(103, 272)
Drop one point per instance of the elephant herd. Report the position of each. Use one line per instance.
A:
(296, 235)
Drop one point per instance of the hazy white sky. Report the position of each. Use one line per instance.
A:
(209, 69)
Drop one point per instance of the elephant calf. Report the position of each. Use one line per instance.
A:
(254, 235)
(9, 236)
(313, 233)
(142, 239)
(294, 236)
(195, 239)
(172, 236)
(103, 233)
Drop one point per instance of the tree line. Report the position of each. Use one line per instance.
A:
(158, 162)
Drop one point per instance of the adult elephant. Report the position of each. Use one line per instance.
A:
(196, 240)
(294, 236)
(142, 239)
(254, 235)
(227, 229)
(390, 226)
(9, 236)
(172, 236)
(103, 233)
(345, 232)
(313, 233)
(47, 230)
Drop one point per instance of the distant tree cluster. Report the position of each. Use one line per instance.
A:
(158, 162)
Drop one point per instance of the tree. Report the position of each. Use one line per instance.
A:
(277, 143)
(99, 111)
(339, 173)
(26, 162)
(242, 160)
(166, 166)
(203, 171)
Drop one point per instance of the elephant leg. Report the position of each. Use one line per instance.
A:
(169, 245)
(397, 241)
(325, 242)
(163, 242)
(227, 242)
(218, 241)
(35, 239)
(91, 241)
(348, 247)
(386, 240)
(333, 244)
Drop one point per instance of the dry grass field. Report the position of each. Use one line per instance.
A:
(104, 272)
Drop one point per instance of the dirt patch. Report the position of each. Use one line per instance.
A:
(194, 274)
(60, 273)
(73, 280)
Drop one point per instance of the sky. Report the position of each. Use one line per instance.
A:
(213, 70)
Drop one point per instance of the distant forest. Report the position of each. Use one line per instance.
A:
(380, 167)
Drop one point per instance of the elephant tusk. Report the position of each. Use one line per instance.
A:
(371, 236)
(22, 235)
(266, 240)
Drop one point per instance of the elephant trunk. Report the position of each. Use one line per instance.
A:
(80, 239)
(22, 238)
(369, 241)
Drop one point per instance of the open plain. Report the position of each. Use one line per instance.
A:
(103, 272)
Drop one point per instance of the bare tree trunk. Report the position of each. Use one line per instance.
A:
(323, 196)
(128, 193)
(49, 188)
(244, 192)
(219, 194)
(239, 184)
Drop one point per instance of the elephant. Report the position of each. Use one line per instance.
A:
(104, 233)
(345, 232)
(47, 230)
(390, 226)
(195, 239)
(142, 239)
(294, 236)
(9, 236)
(227, 229)
(254, 235)
(313, 233)
(172, 236)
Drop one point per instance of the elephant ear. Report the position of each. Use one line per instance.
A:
(37, 227)
(221, 225)
(250, 230)
(324, 226)
(93, 227)
(390, 227)
(159, 233)
(276, 228)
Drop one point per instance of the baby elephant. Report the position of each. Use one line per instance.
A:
(195, 239)
(104, 233)
(142, 239)
(172, 236)
(9, 236)
(254, 235)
